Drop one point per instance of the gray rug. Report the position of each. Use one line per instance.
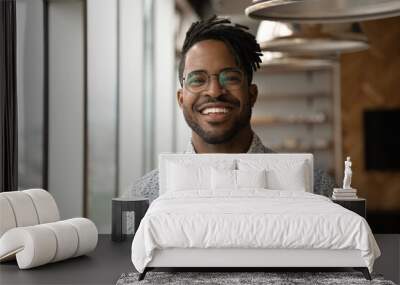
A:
(243, 278)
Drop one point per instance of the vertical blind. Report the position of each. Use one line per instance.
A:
(8, 97)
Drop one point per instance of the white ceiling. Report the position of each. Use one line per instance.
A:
(235, 10)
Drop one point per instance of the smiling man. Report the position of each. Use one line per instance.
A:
(217, 96)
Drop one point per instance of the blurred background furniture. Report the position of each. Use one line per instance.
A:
(120, 207)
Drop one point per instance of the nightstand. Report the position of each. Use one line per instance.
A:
(138, 205)
(358, 205)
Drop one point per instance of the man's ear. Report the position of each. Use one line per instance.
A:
(179, 97)
(253, 92)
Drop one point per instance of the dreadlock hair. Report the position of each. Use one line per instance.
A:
(240, 42)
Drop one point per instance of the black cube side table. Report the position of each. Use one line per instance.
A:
(358, 205)
(138, 205)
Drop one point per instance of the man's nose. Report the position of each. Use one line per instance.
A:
(214, 87)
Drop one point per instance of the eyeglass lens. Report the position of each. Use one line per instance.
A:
(197, 81)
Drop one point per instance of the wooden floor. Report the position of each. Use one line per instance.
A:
(389, 262)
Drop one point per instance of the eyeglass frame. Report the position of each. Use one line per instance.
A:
(214, 74)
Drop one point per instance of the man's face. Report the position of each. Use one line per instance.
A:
(215, 114)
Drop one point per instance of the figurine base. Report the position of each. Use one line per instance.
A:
(344, 194)
(345, 190)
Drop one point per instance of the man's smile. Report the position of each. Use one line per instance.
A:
(214, 118)
(216, 112)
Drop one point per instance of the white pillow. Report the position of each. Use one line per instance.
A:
(251, 178)
(236, 179)
(193, 174)
(181, 177)
(282, 174)
(223, 179)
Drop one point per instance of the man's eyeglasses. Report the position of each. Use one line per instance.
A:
(197, 81)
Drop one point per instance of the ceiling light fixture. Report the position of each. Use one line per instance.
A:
(323, 11)
(310, 39)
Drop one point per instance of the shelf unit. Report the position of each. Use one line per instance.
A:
(285, 96)
(258, 120)
(303, 148)
(298, 110)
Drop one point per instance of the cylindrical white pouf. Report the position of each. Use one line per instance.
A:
(40, 244)
(23, 208)
(45, 205)
(7, 218)
(35, 245)
(67, 239)
(87, 233)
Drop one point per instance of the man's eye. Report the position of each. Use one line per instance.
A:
(232, 78)
(196, 81)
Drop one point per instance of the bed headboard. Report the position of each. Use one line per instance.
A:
(213, 159)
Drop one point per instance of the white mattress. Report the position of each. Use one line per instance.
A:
(256, 218)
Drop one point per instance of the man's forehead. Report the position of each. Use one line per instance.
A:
(212, 55)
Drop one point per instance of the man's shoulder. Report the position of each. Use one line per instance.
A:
(146, 186)
(150, 178)
(323, 182)
(258, 147)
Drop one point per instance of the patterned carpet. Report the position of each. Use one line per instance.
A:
(243, 278)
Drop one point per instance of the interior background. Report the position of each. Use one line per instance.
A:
(96, 98)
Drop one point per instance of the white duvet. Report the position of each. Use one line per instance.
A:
(250, 219)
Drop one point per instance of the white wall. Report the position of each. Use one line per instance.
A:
(66, 112)
(130, 99)
(102, 90)
(116, 97)
(29, 14)
(139, 121)
(116, 117)
(164, 79)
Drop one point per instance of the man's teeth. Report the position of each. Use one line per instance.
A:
(214, 110)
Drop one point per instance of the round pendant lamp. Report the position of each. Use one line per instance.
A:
(294, 64)
(323, 11)
(314, 47)
(311, 40)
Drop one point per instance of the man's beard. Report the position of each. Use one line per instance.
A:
(242, 122)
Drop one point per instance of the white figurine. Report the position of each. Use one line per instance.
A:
(347, 174)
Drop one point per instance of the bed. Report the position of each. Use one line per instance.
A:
(246, 211)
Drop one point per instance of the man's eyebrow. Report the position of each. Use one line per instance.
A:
(196, 70)
(223, 69)
(229, 68)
